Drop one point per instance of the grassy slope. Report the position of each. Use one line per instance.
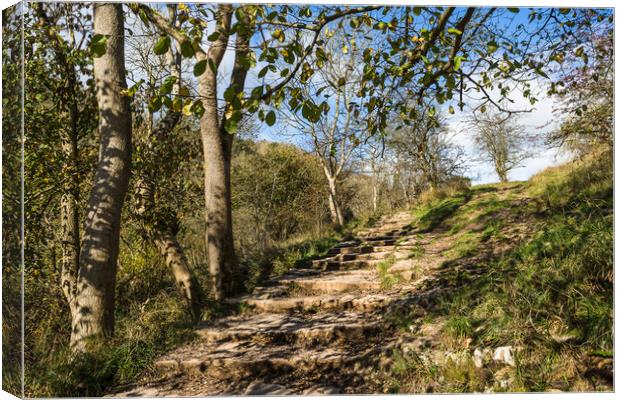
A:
(532, 265)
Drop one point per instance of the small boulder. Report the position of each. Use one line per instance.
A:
(259, 388)
(481, 357)
(504, 354)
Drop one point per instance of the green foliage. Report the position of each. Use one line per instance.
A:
(278, 193)
(12, 63)
(287, 255)
(162, 45)
(147, 331)
(151, 319)
(459, 327)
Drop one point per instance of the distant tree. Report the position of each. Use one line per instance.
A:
(336, 135)
(500, 141)
(424, 149)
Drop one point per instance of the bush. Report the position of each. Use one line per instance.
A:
(452, 187)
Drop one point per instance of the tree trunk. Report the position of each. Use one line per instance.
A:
(217, 152)
(176, 261)
(375, 195)
(334, 207)
(69, 202)
(69, 215)
(93, 317)
(218, 213)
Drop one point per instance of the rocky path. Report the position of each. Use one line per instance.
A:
(318, 330)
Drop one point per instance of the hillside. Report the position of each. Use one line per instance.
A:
(504, 287)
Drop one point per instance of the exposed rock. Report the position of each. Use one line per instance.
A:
(504, 354)
(258, 388)
(480, 357)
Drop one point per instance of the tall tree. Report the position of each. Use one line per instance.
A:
(425, 147)
(93, 315)
(336, 135)
(586, 94)
(66, 53)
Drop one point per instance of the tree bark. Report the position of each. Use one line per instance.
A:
(173, 253)
(334, 207)
(217, 151)
(93, 317)
(69, 214)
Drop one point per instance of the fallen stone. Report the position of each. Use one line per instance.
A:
(504, 354)
(480, 357)
(259, 388)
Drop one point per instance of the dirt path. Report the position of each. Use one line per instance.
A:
(317, 330)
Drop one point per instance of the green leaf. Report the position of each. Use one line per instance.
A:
(279, 35)
(231, 126)
(98, 45)
(229, 94)
(198, 108)
(167, 85)
(492, 47)
(513, 10)
(200, 67)
(270, 118)
(212, 66)
(162, 45)
(263, 71)
(155, 104)
(457, 62)
(134, 89)
(187, 49)
(213, 37)
(455, 31)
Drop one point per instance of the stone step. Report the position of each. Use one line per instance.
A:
(338, 282)
(300, 330)
(379, 241)
(356, 302)
(348, 265)
(243, 360)
(383, 232)
(350, 250)
(350, 243)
